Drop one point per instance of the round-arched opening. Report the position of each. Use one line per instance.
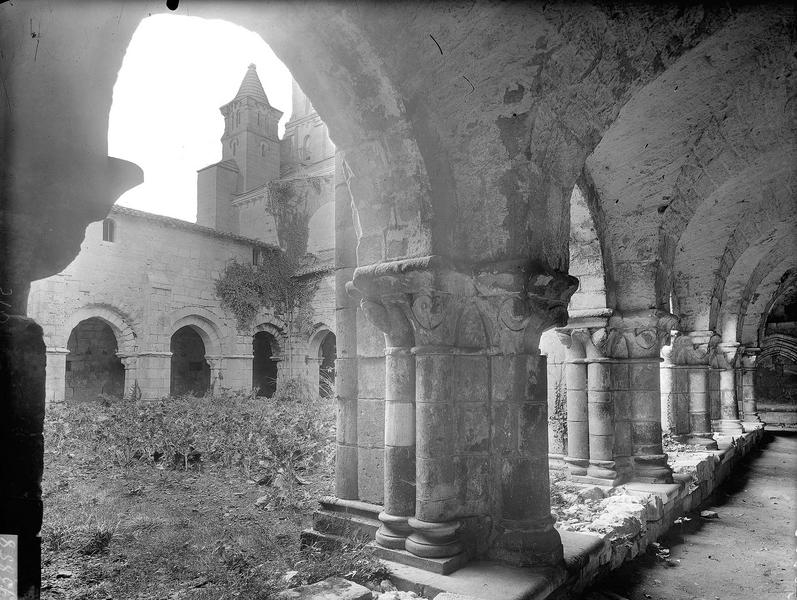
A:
(92, 367)
(327, 353)
(264, 364)
(190, 372)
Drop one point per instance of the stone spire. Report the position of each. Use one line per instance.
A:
(251, 86)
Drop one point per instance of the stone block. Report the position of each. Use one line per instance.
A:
(334, 588)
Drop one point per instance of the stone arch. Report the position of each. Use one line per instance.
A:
(755, 265)
(756, 303)
(586, 257)
(268, 342)
(204, 322)
(321, 356)
(93, 365)
(118, 321)
(670, 150)
(190, 371)
(757, 214)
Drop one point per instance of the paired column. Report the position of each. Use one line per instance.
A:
(634, 343)
(749, 405)
(727, 356)
(130, 363)
(56, 375)
(465, 406)
(399, 453)
(591, 420)
(577, 457)
(691, 354)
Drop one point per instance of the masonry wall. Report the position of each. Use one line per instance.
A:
(154, 278)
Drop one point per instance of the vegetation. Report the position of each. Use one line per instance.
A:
(273, 285)
(189, 498)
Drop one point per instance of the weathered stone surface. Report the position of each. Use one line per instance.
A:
(334, 588)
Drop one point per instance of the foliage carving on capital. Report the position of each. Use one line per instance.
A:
(686, 352)
(639, 334)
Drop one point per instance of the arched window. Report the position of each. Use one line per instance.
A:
(258, 119)
(234, 145)
(306, 148)
(237, 118)
(108, 230)
(262, 149)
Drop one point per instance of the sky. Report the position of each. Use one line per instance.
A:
(165, 116)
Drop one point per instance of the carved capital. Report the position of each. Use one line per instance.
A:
(727, 355)
(686, 352)
(504, 306)
(639, 334)
(749, 355)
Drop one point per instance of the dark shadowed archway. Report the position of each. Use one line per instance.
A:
(264, 364)
(190, 372)
(92, 366)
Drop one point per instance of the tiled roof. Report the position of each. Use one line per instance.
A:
(187, 225)
(251, 86)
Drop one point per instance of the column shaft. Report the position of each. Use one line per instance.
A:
(578, 451)
(699, 409)
(399, 448)
(602, 427)
(729, 423)
(436, 492)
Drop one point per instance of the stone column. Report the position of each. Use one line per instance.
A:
(56, 375)
(480, 403)
(399, 466)
(691, 353)
(22, 398)
(577, 457)
(729, 423)
(216, 373)
(346, 467)
(751, 418)
(130, 363)
(154, 372)
(634, 343)
(668, 404)
(609, 432)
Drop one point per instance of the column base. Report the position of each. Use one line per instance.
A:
(393, 531)
(704, 440)
(603, 469)
(729, 427)
(525, 544)
(576, 466)
(652, 468)
(433, 540)
(752, 425)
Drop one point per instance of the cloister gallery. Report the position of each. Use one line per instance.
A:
(569, 213)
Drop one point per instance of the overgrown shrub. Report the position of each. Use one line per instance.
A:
(286, 433)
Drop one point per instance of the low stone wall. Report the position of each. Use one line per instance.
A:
(637, 518)
(623, 523)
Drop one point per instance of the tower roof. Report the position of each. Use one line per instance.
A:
(251, 86)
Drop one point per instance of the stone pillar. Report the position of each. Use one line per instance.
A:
(691, 354)
(609, 433)
(399, 464)
(237, 374)
(729, 423)
(154, 372)
(346, 467)
(480, 403)
(668, 400)
(130, 363)
(751, 418)
(56, 375)
(634, 343)
(22, 399)
(434, 523)
(216, 373)
(577, 457)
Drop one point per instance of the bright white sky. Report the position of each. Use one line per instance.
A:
(165, 115)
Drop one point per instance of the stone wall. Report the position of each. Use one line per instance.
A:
(154, 278)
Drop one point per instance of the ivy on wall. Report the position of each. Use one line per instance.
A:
(273, 284)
